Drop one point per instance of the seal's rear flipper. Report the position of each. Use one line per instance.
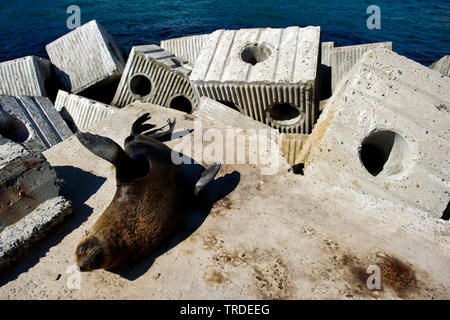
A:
(138, 126)
(127, 168)
(163, 135)
(206, 177)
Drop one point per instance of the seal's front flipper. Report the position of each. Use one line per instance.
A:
(127, 168)
(206, 177)
(138, 126)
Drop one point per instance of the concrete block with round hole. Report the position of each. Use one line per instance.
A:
(156, 76)
(386, 132)
(269, 74)
(32, 121)
(86, 57)
(28, 76)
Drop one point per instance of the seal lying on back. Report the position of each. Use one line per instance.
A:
(151, 198)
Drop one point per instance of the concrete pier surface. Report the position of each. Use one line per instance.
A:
(280, 236)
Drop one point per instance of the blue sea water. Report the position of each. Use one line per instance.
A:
(419, 29)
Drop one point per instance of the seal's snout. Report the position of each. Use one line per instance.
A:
(89, 254)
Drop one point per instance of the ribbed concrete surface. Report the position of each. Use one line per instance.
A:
(284, 72)
(291, 145)
(218, 112)
(25, 76)
(327, 49)
(385, 132)
(36, 118)
(83, 112)
(86, 56)
(167, 78)
(344, 58)
(187, 48)
(442, 65)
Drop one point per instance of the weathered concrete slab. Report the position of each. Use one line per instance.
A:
(28, 76)
(442, 65)
(276, 237)
(86, 56)
(26, 180)
(157, 76)
(17, 239)
(344, 58)
(386, 132)
(217, 112)
(29, 202)
(81, 111)
(32, 121)
(186, 48)
(269, 74)
(326, 53)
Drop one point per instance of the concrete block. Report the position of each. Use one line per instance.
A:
(82, 112)
(291, 145)
(32, 121)
(28, 76)
(26, 180)
(156, 76)
(269, 74)
(86, 56)
(17, 239)
(385, 132)
(344, 58)
(186, 48)
(326, 53)
(442, 65)
(217, 112)
(282, 236)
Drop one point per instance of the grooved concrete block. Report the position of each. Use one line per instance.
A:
(385, 132)
(344, 58)
(187, 48)
(442, 65)
(17, 239)
(32, 121)
(156, 76)
(326, 53)
(269, 74)
(29, 76)
(81, 111)
(218, 112)
(86, 56)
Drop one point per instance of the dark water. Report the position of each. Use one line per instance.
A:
(420, 30)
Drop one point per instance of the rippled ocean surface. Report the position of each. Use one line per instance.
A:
(420, 30)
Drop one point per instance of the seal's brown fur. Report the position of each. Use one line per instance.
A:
(143, 212)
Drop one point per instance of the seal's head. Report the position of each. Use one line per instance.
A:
(90, 254)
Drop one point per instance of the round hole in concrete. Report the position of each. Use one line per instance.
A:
(181, 103)
(255, 53)
(12, 128)
(140, 85)
(284, 113)
(384, 153)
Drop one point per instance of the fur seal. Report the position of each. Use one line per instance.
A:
(151, 198)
